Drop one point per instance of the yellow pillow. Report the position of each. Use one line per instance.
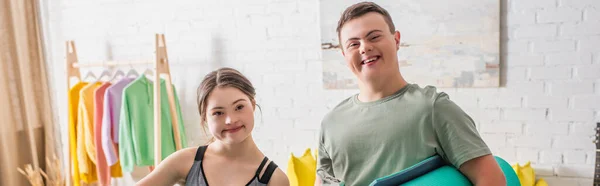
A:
(302, 171)
(528, 174)
(541, 182)
(525, 173)
(519, 173)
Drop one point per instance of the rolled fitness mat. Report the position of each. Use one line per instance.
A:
(434, 171)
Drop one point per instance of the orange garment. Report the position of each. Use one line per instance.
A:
(104, 171)
(86, 150)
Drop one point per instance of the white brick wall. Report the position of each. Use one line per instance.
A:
(531, 5)
(551, 157)
(524, 114)
(559, 15)
(588, 71)
(587, 102)
(530, 142)
(590, 44)
(516, 60)
(544, 113)
(531, 154)
(579, 3)
(502, 127)
(565, 115)
(575, 157)
(578, 29)
(566, 88)
(572, 142)
(533, 128)
(536, 31)
(546, 101)
(550, 73)
(552, 46)
(563, 59)
(591, 14)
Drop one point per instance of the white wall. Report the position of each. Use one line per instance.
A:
(544, 113)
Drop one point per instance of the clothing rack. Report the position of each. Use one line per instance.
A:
(161, 68)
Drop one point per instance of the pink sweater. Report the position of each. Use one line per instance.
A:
(101, 164)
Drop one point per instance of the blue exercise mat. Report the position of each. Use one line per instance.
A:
(434, 171)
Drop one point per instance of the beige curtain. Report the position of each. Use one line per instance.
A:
(26, 124)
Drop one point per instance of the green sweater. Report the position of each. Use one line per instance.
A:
(136, 125)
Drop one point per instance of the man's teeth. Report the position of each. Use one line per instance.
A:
(370, 60)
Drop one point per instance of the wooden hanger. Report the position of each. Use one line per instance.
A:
(149, 75)
(132, 73)
(149, 72)
(116, 74)
(105, 73)
(89, 74)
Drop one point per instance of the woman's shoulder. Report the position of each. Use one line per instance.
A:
(183, 158)
(275, 174)
(279, 178)
(189, 152)
(186, 153)
(174, 168)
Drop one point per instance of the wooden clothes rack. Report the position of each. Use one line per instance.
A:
(161, 67)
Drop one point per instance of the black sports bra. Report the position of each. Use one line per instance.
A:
(196, 176)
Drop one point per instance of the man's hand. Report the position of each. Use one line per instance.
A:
(318, 181)
(483, 170)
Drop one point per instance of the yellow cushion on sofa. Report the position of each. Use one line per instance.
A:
(525, 173)
(302, 171)
(541, 182)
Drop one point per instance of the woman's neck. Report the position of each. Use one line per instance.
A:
(245, 150)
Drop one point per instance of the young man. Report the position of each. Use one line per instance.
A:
(391, 124)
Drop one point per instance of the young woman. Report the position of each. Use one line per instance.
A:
(226, 104)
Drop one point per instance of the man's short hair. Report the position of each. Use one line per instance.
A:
(363, 8)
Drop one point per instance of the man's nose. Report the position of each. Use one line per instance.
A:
(364, 47)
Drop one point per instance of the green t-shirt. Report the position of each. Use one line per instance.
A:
(362, 141)
(136, 125)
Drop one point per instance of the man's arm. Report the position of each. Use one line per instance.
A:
(318, 181)
(325, 174)
(323, 165)
(483, 170)
(462, 145)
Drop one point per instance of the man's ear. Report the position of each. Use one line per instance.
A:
(397, 38)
